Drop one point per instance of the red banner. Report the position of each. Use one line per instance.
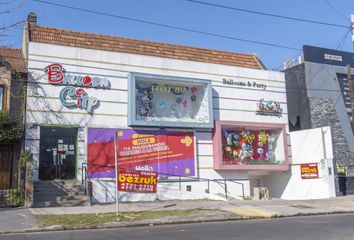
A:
(137, 181)
(309, 171)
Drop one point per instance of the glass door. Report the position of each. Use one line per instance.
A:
(57, 159)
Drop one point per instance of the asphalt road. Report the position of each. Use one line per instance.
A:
(311, 227)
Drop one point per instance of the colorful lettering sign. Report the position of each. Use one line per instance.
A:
(70, 96)
(309, 171)
(169, 153)
(137, 181)
(269, 108)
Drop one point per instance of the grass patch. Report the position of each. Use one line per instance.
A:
(69, 221)
(248, 198)
(300, 206)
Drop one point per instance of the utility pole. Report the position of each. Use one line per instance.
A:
(351, 95)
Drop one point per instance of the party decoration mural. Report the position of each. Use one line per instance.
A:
(169, 101)
(170, 153)
(241, 146)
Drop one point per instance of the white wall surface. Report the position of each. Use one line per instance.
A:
(229, 102)
(308, 146)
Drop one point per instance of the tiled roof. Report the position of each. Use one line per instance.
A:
(126, 45)
(13, 56)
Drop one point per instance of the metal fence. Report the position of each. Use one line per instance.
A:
(225, 184)
(350, 185)
(10, 198)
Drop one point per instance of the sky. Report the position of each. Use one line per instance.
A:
(199, 17)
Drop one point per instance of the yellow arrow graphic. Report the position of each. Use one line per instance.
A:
(187, 140)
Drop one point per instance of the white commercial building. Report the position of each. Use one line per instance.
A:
(210, 123)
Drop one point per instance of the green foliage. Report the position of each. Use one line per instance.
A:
(15, 198)
(24, 158)
(4, 118)
(9, 130)
(70, 221)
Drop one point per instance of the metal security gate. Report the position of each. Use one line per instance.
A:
(350, 185)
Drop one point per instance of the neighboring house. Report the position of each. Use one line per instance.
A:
(318, 95)
(13, 75)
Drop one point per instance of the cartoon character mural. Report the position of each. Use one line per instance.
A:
(249, 147)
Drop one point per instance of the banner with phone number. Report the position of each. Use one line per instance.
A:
(137, 181)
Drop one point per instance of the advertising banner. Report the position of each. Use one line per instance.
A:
(137, 181)
(169, 153)
(309, 171)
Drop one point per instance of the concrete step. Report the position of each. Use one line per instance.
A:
(39, 193)
(57, 183)
(64, 193)
(71, 203)
(73, 198)
(58, 189)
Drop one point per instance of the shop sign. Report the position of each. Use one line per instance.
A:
(271, 108)
(169, 101)
(170, 153)
(137, 181)
(244, 84)
(309, 171)
(71, 96)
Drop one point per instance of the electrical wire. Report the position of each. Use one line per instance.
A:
(336, 10)
(168, 26)
(342, 41)
(268, 14)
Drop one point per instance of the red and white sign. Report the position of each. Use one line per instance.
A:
(309, 171)
(137, 181)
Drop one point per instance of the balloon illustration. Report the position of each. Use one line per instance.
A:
(194, 89)
(193, 98)
(178, 100)
(163, 106)
(185, 103)
(173, 107)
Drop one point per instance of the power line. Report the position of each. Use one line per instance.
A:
(342, 41)
(336, 10)
(168, 26)
(268, 14)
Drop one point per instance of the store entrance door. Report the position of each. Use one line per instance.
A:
(57, 159)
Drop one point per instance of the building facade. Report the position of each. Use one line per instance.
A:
(13, 76)
(318, 95)
(198, 115)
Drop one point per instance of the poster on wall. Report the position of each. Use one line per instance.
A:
(169, 153)
(309, 171)
(169, 101)
(137, 181)
(241, 146)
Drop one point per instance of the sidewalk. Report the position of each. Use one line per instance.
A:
(20, 220)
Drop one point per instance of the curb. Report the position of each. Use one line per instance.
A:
(58, 228)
